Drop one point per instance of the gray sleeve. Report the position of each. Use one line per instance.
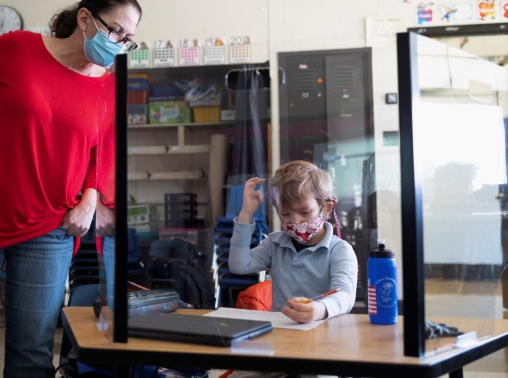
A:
(243, 259)
(343, 275)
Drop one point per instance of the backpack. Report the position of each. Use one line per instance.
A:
(183, 271)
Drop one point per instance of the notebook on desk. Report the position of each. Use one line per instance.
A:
(196, 329)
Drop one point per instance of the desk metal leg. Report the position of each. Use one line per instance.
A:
(121, 371)
(457, 373)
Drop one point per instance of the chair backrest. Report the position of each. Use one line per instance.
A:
(235, 201)
(133, 251)
(84, 295)
(160, 248)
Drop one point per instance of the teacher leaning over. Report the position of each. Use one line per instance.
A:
(50, 112)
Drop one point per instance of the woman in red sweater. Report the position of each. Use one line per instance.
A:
(50, 114)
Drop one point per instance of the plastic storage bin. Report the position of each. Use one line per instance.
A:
(137, 97)
(169, 112)
(137, 114)
(138, 84)
(167, 91)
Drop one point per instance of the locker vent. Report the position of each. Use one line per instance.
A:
(344, 77)
(306, 80)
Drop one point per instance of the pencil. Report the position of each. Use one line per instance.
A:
(320, 296)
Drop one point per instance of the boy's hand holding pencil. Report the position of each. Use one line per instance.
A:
(306, 310)
(320, 296)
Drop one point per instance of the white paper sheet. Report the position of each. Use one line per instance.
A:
(278, 319)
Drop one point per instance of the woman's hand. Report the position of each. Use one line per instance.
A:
(78, 220)
(251, 200)
(304, 312)
(104, 220)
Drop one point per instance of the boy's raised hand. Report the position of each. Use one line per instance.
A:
(251, 200)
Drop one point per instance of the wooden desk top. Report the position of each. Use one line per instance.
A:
(347, 344)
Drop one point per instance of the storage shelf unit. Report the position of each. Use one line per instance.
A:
(167, 149)
(169, 125)
(154, 176)
(175, 157)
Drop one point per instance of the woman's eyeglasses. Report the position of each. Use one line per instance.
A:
(115, 36)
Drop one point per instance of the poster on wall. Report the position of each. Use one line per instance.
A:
(487, 10)
(504, 10)
(424, 13)
(462, 12)
(214, 51)
(188, 53)
(239, 50)
(380, 31)
(446, 11)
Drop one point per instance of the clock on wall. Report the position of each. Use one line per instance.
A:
(10, 19)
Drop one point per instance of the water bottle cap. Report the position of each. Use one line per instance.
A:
(381, 244)
(383, 253)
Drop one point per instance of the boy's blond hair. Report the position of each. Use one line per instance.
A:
(297, 179)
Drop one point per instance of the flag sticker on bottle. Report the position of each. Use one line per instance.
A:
(372, 302)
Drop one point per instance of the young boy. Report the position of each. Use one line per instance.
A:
(306, 259)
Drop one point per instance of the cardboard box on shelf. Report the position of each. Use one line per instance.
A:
(169, 112)
(206, 113)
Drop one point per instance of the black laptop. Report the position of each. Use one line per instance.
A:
(196, 329)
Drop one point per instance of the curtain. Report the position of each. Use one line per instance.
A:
(252, 98)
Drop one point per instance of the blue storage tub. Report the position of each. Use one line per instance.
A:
(167, 91)
(138, 84)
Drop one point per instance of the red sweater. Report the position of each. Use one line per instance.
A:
(48, 136)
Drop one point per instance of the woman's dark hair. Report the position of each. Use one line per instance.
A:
(63, 24)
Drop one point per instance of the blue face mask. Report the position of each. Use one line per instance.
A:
(100, 50)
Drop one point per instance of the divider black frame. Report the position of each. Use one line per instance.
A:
(121, 240)
(411, 200)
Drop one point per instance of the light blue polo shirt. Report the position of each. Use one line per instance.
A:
(315, 270)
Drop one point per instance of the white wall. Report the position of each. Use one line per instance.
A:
(176, 20)
(287, 25)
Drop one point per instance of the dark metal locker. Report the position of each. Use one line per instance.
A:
(347, 80)
(326, 116)
(305, 107)
(327, 96)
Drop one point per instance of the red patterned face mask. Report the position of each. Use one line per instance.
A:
(303, 232)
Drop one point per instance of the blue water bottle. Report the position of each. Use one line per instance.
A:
(382, 285)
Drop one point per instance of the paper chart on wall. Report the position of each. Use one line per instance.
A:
(382, 31)
(278, 319)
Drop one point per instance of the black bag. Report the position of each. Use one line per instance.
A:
(190, 284)
(183, 270)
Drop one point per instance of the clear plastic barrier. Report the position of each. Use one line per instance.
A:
(459, 126)
(105, 210)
